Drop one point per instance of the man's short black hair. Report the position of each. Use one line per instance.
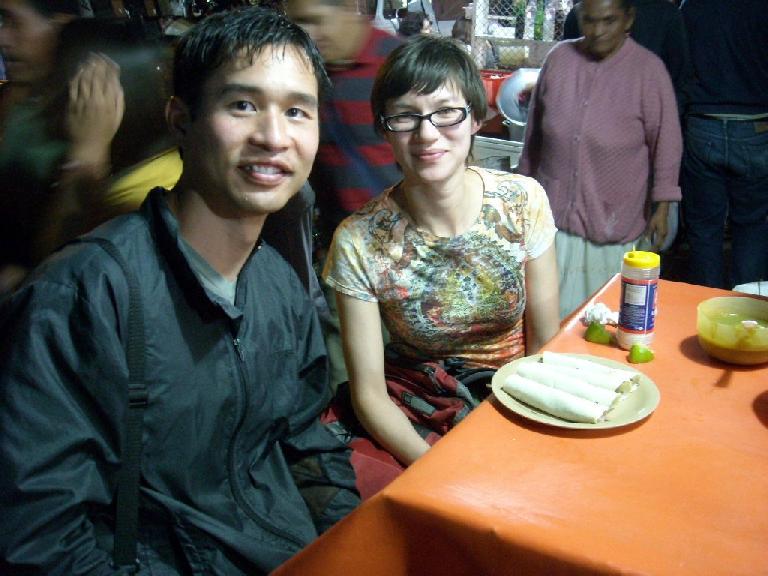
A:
(424, 64)
(232, 35)
(50, 7)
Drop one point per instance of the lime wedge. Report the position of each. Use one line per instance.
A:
(639, 354)
(597, 333)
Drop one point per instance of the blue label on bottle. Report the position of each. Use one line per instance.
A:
(638, 305)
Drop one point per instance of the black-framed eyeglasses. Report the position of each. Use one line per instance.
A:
(410, 121)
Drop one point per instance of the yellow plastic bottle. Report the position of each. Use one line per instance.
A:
(639, 293)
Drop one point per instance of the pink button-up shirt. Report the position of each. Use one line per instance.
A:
(603, 139)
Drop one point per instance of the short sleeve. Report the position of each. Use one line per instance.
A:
(346, 268)
(539, 223)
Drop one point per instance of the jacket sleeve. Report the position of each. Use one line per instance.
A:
(319, 462)
(61, 364)
(320, 466)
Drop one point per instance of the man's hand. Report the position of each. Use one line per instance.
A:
(94, 113)
(657, 229)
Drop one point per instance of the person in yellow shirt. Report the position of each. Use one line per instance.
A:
(69, 150)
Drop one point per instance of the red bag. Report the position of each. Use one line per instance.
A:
(435, 397)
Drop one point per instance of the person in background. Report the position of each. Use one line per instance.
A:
(353, 163)
(28, 38)
(456, 261)
(86, 139)
(571, 29)
(237, 472)
(414, 23)
(462, 31)
(603, 139)
(658, 26)
(124, 163)
(725, 165)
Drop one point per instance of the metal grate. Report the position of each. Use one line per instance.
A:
(509, 34)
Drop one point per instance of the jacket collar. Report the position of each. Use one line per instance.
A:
(165, 230)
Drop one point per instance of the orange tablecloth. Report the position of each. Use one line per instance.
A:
(683, 492)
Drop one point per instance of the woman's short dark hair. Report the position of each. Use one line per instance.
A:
(424, 64)
(229, 36)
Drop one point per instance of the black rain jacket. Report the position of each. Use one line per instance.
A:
(237, 472)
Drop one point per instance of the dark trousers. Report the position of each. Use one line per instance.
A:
(725, 179)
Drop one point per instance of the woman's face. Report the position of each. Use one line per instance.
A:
(428, 154)
(605, 24)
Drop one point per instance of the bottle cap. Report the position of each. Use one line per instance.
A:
(640, 259)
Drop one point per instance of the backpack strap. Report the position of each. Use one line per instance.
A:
(127, 499)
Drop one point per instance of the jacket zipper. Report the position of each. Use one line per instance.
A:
(237, 490)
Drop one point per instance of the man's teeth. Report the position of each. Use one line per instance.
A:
(260, 169)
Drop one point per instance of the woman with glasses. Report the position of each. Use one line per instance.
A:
(456, 261)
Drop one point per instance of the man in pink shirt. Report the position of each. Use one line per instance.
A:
(603, 139)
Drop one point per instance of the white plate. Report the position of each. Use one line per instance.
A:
(638, 404)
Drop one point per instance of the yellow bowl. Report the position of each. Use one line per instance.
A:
(726, 333)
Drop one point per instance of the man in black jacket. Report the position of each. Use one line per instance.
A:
(237, 472)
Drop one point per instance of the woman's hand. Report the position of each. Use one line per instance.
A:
(94, 113)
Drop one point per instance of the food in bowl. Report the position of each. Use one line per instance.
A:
(734, 329)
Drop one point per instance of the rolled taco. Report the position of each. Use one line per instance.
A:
(570, 381)
(553, 401)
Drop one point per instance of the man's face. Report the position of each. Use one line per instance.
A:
(27, 41)
(328, 25)
(605, 25)
(250, 145)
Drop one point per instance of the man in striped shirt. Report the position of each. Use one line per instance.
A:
(353, 162)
